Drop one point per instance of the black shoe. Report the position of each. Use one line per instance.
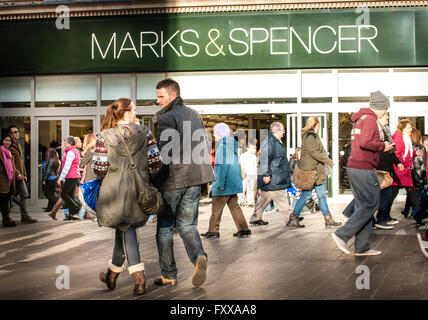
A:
(67, 217)
(211, 234)
(301, 218)
(259, 223)
(242, 233)
(9, 224)
(405, 213)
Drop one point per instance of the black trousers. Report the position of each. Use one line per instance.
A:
(4, 205)
(412, 195)
(68, 195)
(51, 193)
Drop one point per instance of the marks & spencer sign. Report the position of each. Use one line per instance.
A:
(227, 41)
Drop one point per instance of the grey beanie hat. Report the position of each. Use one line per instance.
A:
(378, 101)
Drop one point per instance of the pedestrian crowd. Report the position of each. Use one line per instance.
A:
(176, 160)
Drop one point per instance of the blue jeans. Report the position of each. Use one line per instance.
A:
(366, 189)
(126, 244)
(306, 194)
(181, 210)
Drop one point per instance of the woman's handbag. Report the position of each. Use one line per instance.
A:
(304, 179)
(385, 179)
(148, 197)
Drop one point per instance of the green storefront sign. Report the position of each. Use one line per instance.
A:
(226, 41)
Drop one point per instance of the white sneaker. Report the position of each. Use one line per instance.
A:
(340, 243)
(392, 222)
(370, 252)
(384, 226)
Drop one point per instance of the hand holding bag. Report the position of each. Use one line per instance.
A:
(149, 198)
(385, 179)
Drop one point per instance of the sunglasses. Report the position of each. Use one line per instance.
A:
(14, 131)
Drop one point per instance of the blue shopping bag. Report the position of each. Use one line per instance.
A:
(88, 194)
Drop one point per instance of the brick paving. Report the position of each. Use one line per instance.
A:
(274, 263)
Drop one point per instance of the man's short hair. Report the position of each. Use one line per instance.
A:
(275, 126)
(11, 127)
(70, 140)
(169, 85)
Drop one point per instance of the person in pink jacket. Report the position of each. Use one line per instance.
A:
(405, 152)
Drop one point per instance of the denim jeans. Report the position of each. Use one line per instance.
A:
(384, 211)
(21, 198)
(181, 209)
(366, 189)
(306, 194)
(126, 244)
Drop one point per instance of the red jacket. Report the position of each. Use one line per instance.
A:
(402, 178)
(366, 143)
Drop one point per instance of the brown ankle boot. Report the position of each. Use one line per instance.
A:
(55, 209)
(139, 282)
(329, 222)
(110, 276)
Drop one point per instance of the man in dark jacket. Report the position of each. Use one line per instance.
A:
(364, 158)
(21, 177)
(182, 138)
(273, 176)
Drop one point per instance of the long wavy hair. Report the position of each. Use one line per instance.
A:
(311, 123)
(115, 112)
(89, 142)
(52, 154)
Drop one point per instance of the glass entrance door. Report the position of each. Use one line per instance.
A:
(50, 134)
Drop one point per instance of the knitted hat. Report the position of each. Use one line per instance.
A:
(222, 129)
(378, 101)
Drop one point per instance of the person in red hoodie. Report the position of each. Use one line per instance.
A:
(364, 158)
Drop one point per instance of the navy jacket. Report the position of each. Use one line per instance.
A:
(273, 162)
(227, 169)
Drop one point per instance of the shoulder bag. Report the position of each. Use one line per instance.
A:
(385, 179)
(148, 197)
(304, 179)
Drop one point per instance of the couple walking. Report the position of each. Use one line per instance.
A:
(179, 183)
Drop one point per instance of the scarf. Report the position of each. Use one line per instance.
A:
(408, 144)
(8, 163)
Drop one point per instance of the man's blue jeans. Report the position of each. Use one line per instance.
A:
(181, 210)
(306, 194)
(366, 189)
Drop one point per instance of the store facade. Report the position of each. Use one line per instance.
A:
(245, 68)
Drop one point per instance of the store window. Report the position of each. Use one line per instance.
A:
(146, 88)
(15, 92)
(345, 127)
(66, 91)
(24, 127)
(317, 86)
(113, 87)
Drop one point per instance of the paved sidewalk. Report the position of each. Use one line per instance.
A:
(275, 262)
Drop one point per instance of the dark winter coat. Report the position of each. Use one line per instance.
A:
(273, 163)
(419, 171)
(18, 158)
(314, 156)
(186, 167)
